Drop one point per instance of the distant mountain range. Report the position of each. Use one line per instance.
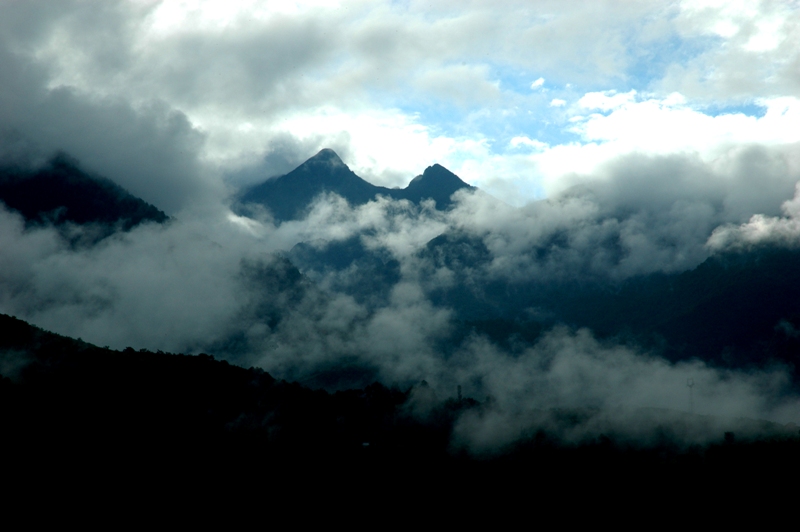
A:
(738, 309)
(61, 193)
(289, 196)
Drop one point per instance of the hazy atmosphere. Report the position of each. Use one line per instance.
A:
(609, 143)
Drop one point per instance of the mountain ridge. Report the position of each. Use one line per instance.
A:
(62, 193)
(288, 196)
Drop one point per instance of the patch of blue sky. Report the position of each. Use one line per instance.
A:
(519, 80)
(747, 109)
(496, 125)
(541, 84)
(519, 110)
(552, 133)
(438, 115)
(649, 64)
(538, 107)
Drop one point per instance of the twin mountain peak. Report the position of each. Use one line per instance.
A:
(289, 196)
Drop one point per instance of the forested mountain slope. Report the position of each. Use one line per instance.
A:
(61, 193)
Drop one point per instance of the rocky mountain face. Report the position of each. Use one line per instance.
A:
(288, 197)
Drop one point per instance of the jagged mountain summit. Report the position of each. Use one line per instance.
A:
(288, 196)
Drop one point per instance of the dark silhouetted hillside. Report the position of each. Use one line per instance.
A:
(60, 193)
(132, 420)
(729, 309)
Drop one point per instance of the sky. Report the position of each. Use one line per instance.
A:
(518, 98)
(625, 138)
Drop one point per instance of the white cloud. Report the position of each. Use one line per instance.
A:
(661, 126)
(768, 35)
(463, 85)
(572, 368)
(215, 15)
(667, 125)
(606, 101)
(756, 52)
(762, 229)
(531, 143)
(557, 102)
(538, 83)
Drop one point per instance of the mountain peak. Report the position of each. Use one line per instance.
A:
(437, 183)
(326, 152)
(289, 196)
(440, 175)
(326, 155)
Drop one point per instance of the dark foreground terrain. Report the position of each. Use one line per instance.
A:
(75, 414)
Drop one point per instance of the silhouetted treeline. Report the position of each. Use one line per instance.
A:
(70, 408)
